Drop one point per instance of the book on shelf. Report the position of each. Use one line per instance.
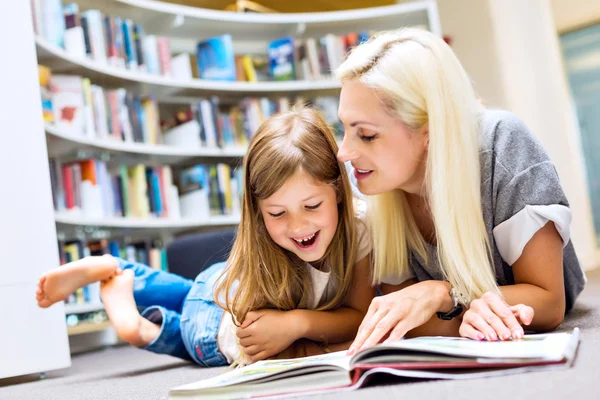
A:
(281, 59)
(417, 358)
(216, 60)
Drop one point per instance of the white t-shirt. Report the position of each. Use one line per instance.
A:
(324, 289)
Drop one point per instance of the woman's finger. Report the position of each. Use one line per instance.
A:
(467, 331)
(397, 332)
(366, 328)
(503, 311)
(479, 323)
(493, 320)
(523, 313)
(386, 322)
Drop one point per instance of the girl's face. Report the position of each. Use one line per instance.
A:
(302, 216)
(385, 153)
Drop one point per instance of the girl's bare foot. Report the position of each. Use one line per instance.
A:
(117, 296)
(59, 283)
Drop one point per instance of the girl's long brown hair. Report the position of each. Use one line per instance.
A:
(259, 273)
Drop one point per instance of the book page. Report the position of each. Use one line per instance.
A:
(274, 369)
(549, 347)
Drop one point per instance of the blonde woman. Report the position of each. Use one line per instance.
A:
(469, 221)
(296, 273)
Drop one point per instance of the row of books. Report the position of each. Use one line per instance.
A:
(93, 189)
(76, 106)
(107, 40)
(118, 42)
(147, 252)
(305, 59)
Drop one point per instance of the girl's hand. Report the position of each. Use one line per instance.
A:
(265, 333)
(489, 317)
(394, 314)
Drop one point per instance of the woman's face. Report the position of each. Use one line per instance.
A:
(385, 153)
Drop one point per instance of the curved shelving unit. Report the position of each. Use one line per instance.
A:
(163, 224)
(62, 143)
(106, 75)
(197, 23)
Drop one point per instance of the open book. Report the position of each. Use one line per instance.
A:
(423, 357)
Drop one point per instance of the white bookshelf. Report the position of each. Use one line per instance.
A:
(185, 26)
(62, 144)
(33, 339)
(192, 22)
(151, 225)
(62, 62)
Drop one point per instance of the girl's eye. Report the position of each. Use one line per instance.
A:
(314, 207)
(276, 215)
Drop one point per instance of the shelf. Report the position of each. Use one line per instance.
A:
(197, 23)
(145, 83)
(62, 144)
(87, 327)
(83, 308)
(74, 219)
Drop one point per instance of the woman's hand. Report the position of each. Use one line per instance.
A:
(265, 333)
(393, 315)
(490, 318)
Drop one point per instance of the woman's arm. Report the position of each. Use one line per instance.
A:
(539, 283)
(539, 280)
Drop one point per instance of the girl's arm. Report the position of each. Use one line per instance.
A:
(261, 334)
(339, 325)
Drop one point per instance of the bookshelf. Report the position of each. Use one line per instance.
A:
(60, 61)
(192, 22)
(184, 27)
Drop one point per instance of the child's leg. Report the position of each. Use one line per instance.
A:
(152, 287)
(163, 335)
(117, 296)
(59, 283)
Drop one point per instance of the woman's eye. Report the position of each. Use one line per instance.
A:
(314, 207)
(276, 215)
(366, 136)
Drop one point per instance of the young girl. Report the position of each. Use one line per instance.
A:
(470, 224)
(297, 269)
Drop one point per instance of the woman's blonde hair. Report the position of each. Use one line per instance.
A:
(422, 83)
(259, 273)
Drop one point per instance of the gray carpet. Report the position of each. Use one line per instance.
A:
(128, 373)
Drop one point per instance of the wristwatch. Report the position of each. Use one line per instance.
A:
(457, 307)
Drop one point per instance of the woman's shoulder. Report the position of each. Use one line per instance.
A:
(510, 142)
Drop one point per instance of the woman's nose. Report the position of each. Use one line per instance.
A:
(346, 152)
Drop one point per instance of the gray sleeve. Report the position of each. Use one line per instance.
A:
(523, 174)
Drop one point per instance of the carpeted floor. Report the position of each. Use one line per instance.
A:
(128, 373)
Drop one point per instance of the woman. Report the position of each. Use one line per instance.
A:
(467, 214)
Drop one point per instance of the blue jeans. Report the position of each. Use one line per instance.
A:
(188, 317)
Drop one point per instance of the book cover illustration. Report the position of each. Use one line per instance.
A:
(281, 59)
(216, 60)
